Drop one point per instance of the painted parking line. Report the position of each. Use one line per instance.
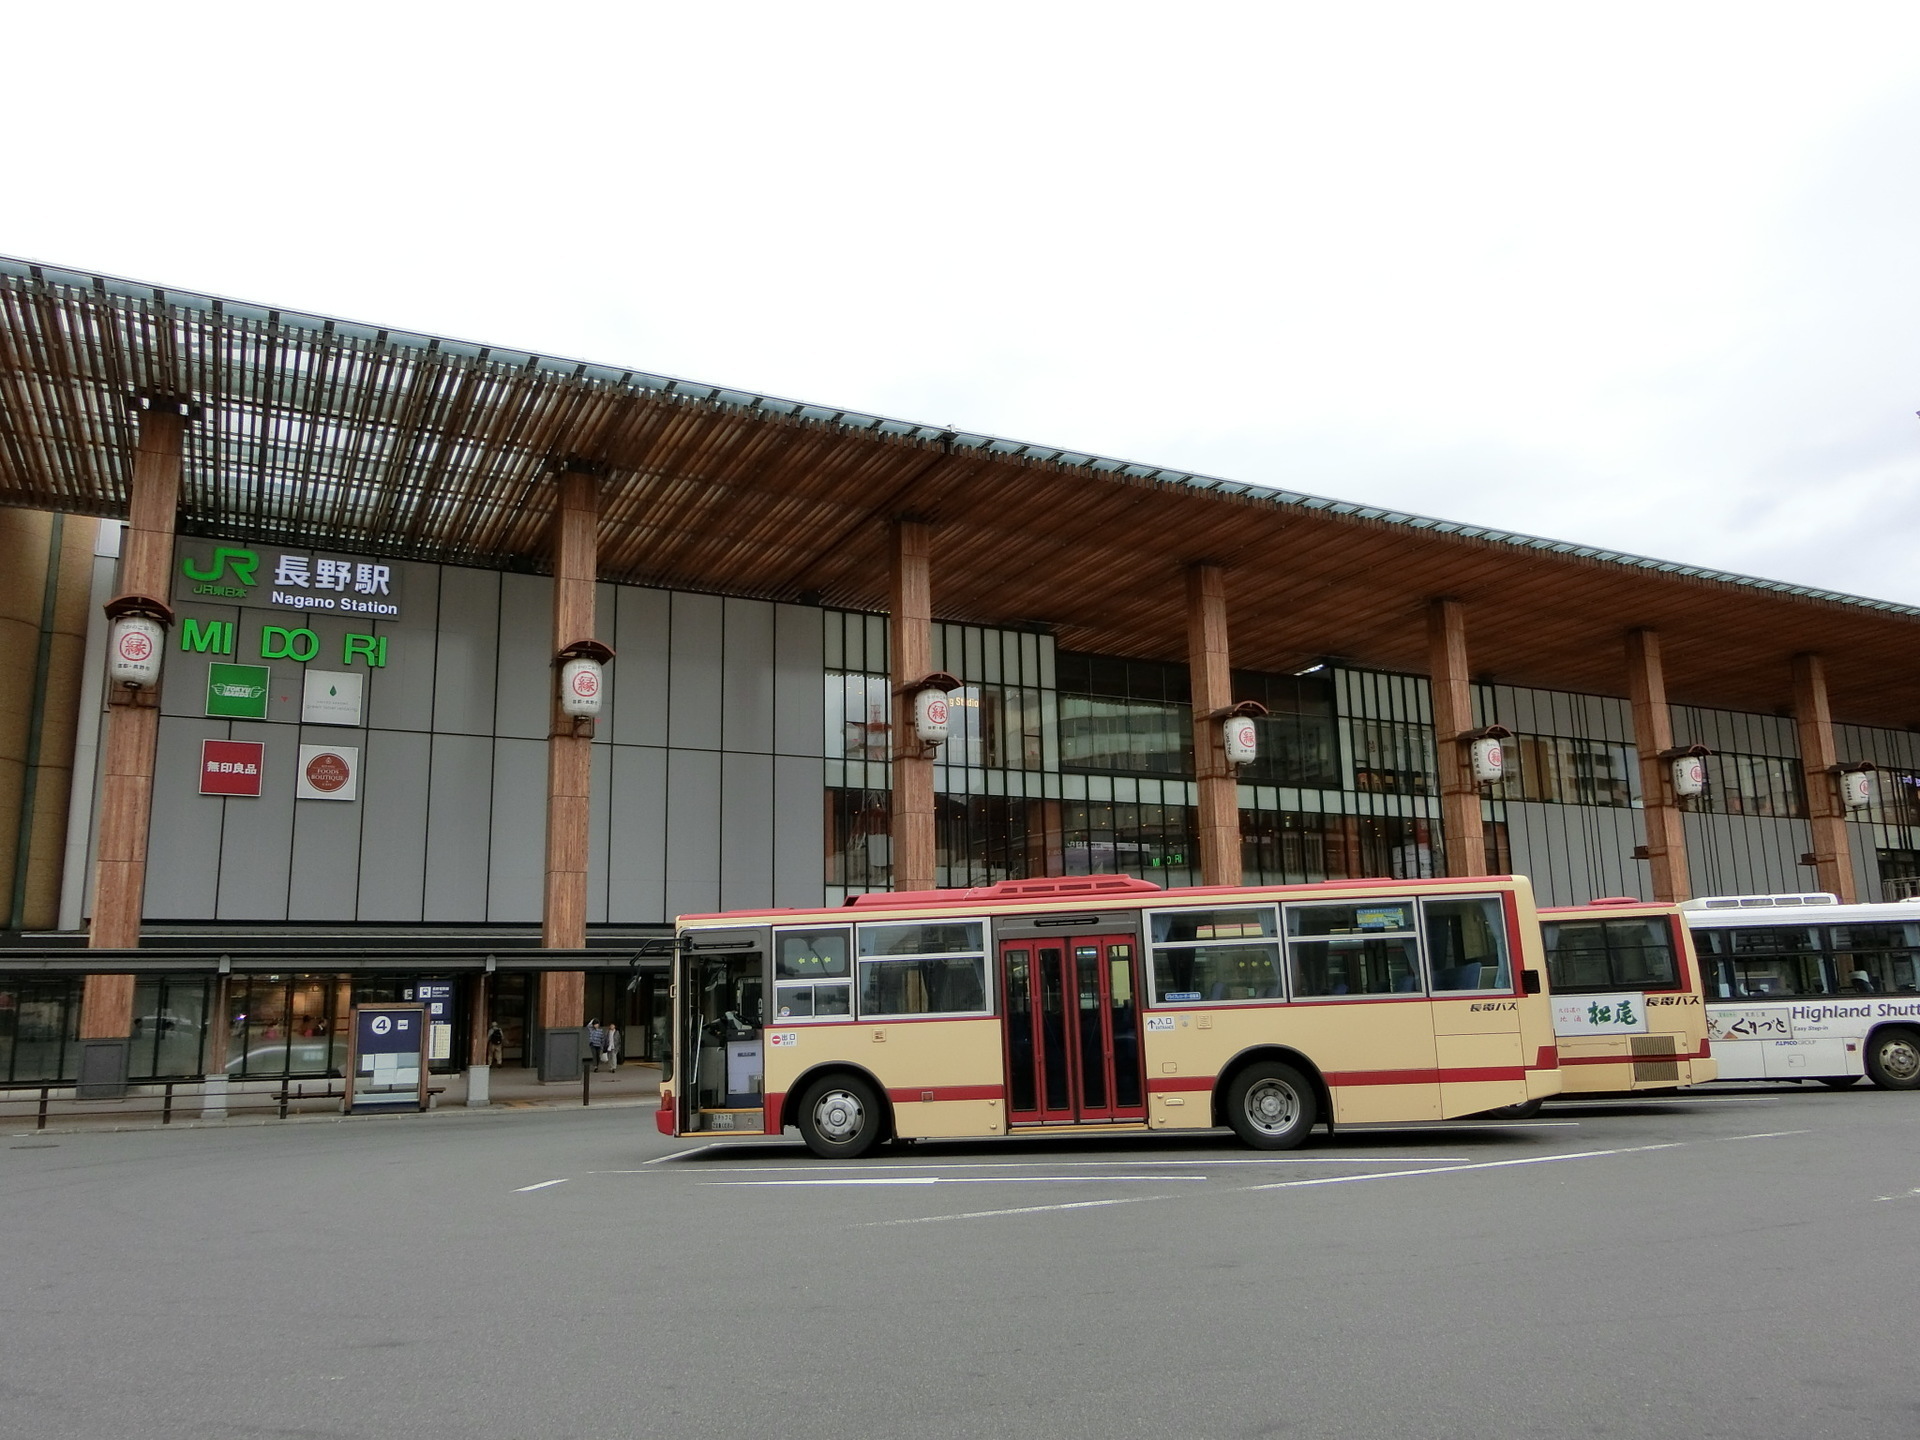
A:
(542, 1185)
(1059, 1162)
(963, 1180)
(1017, 1210)
(1765, 1135)
(1458, 1169)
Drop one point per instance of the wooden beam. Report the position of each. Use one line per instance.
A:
(1826, 814)
(569, 751)
(1210, 664)
(133, 729)
(910, 658)
(1462, 829)
(1653, 734)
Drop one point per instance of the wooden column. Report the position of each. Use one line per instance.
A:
(1826, 815)
(1652, 736)
(1462, 829)
(569, 751)
(909, 659)
(133, 727)
(1210, 671)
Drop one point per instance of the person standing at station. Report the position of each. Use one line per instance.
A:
(611, 1046)
(596, 1041)
(496, 1042)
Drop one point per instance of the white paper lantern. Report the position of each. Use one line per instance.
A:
(930, 716)
(1489, 760)
(134, 648)
(1242, 739)
(583, 685)
(1689, 775)
(1856, 788)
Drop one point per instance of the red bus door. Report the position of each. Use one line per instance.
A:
(1071, 1008)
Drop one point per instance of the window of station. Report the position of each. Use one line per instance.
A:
(39, 1029)
(1466, 941)
(1299, 743)
(169, 1026)
(1370, 948)
(1753, 785)
(813, 974)
(1590, 956)
(1877, 959)
(1564, 770)
(1215, 957)
(1130, 717)
(923, 968)
(1766, 961)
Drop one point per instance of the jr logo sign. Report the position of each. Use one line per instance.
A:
(212, 575)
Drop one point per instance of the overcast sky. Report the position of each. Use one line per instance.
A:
(1643, 276)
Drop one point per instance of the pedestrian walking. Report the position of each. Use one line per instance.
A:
(596, 1041)
(496, 1042)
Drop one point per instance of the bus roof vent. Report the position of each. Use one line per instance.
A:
(1758, 902)
(1071, 885)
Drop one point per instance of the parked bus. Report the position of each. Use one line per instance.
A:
(1801, 987)
(1107, 1003)
(1627, 997)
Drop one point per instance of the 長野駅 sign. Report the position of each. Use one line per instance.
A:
(270, 577)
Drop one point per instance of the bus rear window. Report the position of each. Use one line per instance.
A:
(1590, 956)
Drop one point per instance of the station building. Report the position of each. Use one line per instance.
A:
(365, 560)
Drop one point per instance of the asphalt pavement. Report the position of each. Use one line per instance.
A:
(1736, 1262)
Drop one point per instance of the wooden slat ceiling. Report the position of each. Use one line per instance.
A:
(343, 436)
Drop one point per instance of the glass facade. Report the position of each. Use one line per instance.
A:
(1754, 785)
(39, 1030)
(1564, 770)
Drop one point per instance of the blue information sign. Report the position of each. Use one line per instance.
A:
(389, 1042)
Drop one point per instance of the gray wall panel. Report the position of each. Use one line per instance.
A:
(799, 844)
(599, 823)
(1747, 855)
(1866, 862)
(256, 842)
(693, 825)
(463, 673)
(746, 831)
(459, 823)
(325, 881)
(183, 851)
(1577, 853)
(516, 866)
(394, 770)
(799, 681)
(639, 671)
(636, 846)
(747, 677)
(400, 696)
(693, 693)
(524, 703)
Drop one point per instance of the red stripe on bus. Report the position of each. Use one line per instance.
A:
(919, 1094)
(772, 1103)
(1173, 1085)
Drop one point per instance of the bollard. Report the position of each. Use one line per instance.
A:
(586, 1082)
(166, 1106)
(43, 1109)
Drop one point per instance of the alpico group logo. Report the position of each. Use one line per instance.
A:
(327, 772)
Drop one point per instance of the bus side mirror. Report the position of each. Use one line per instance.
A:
(1530, 980)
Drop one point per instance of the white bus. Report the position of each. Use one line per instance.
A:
(1801, 987)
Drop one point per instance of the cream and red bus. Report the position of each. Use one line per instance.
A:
(1108, 1003)
(1627, 997)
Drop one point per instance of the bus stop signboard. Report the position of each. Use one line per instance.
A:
(388, 1066)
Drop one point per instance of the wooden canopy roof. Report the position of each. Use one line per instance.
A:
(336, 435)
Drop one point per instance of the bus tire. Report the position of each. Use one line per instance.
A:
(1839, 1082)
(1893, 1058)
(1524, 1110)
(840, 1118)
(1271, 1106)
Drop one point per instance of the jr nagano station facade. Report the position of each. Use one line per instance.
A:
(338, 661)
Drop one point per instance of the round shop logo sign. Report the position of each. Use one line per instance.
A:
(327, 772)
(136, 645)
(381, 1024)
(586, 684)
(937, 712)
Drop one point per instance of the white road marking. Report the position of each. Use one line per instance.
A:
(962, 1180)
(1018, 1210)
(662, 1159)
(1767, 1135)
(1908, 1196)
(542, 1185)
(1060, 1161)
(1457, 1169)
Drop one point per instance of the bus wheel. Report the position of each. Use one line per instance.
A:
(1839, 1082)
(1525, 1110)
(840, 1119)
(1893, 1059)
(1270, 1106)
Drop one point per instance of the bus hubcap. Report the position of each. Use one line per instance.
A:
(838, 1115)
(1272, 1106)
(1901, 1059)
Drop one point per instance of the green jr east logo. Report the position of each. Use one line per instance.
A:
(243, 564)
